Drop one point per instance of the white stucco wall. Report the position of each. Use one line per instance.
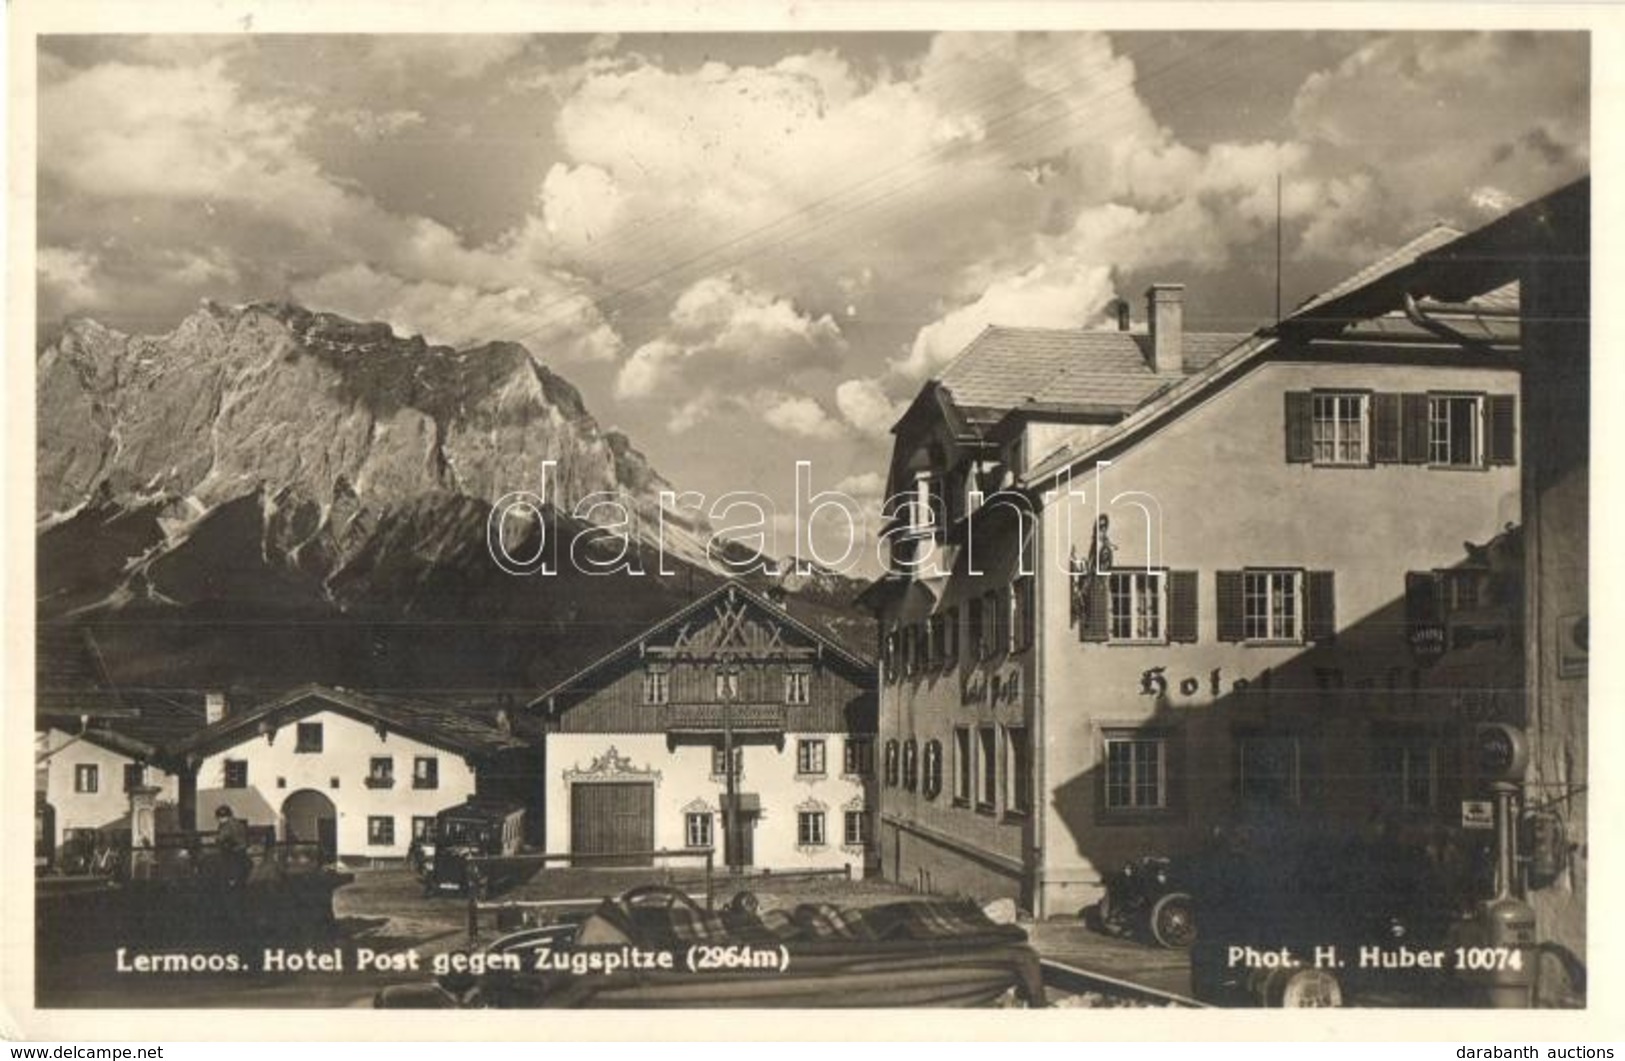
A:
(685, 781)
(64, 752)
(339, 772)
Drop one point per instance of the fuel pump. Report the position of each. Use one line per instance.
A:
(1501, 960)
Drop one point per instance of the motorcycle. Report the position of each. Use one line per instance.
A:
(1148, 897)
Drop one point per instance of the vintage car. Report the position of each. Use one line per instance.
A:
(1321, 921)
(902, 954)
(474, 828)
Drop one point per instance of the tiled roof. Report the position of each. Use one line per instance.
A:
(1432, 239)
(446, 727)
(1006, 368)
(71, 682)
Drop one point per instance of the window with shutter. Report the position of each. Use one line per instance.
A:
(1322, 606)
(1421, 598)
(1096, 620)
(1413, 414)
(1230, 586)
(1503, 429)
(1299, 437)
(1386, 445)
(1182, 609)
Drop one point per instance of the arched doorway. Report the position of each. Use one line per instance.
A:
(309, 817)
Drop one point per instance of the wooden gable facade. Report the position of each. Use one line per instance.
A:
(731, 646)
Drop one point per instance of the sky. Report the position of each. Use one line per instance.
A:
(753, 249)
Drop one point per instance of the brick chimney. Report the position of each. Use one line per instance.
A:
(214, 707)
(1165, 312)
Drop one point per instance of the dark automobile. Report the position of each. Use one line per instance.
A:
(473, 828)
(654, 947)
(1150, 897)
(1289, 921)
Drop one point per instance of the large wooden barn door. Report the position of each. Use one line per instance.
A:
(612, 819)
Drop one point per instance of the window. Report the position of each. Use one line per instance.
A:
(135, 776)
(1017, 773)
(727, 685)
(308, 740)
(697, 829)
(859, 757)
(973, 630)
(381, 772)
(426, 772)
(1136, 772)
(893, 757)
(797, 687)
(810, 828)
(236, 773)
(1339, 429)
(936, 641)
(987, 740)
(931, 781)
(911, 764)
(1453, 430)
(719, 764)
(422, 827)
(381, 830)
(951, 645)
(87, 778)
(1267, 770)
(962, 764)
(656, 686)
(888, 654)
(996, 613)
(1271, 608)
(857, 828)
(809, 756)
(1021, 627)
(1135, 600)
(1408, 771)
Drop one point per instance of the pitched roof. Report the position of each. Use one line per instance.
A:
(71, 682)
(1395, 260)
(1006, 368)
(853, 661)
(446, 727)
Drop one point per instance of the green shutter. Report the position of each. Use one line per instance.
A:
(1501, 410)
(1385, 435)
(1095, 623)
(1299, 438)
(1414, 428)
(1231, 627)
(1182, 613)
(1320, 609)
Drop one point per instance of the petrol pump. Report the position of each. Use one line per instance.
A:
(1501, 957)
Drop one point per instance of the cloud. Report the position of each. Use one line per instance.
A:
(1045, 296)
(801, 417)
(371, 125)
(447, 55)
(1433, 118)
(558, 320)
(724, 332)
(67, 279)
(865, 405)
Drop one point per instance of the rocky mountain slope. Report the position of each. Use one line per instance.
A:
(268, 494)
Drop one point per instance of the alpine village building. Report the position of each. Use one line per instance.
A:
(360, 774)
(1148, 583)
(636, 744)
